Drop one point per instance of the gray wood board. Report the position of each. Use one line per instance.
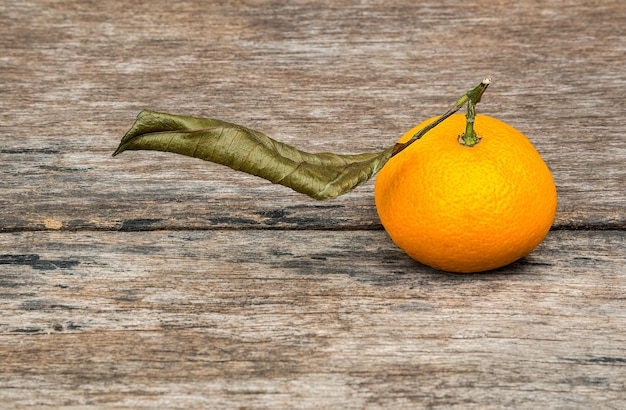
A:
(283, 319)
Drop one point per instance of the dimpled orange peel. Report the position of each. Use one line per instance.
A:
(470, 195)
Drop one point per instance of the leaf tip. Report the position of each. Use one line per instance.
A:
(134, 131)
(118, 151)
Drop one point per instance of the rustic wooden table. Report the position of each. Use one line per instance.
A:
(152, 280)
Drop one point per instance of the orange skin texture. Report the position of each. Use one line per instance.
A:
(466, 209)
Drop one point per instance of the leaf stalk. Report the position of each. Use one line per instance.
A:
(471, 98)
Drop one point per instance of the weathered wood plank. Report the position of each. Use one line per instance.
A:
(231, 303)
(284, 319)
(339, 76)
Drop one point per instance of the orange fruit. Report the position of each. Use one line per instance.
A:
(466, 209)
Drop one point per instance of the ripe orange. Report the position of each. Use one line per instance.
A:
(466, 209)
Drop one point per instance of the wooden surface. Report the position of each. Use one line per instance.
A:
(158, 281)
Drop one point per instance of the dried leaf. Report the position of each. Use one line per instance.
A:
(321, 176)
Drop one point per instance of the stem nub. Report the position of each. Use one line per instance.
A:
(469, 138)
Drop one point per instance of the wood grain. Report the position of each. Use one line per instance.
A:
(158, 281)
(256, 319)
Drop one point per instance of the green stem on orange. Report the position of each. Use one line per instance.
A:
(469, 138)
(471, 98)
